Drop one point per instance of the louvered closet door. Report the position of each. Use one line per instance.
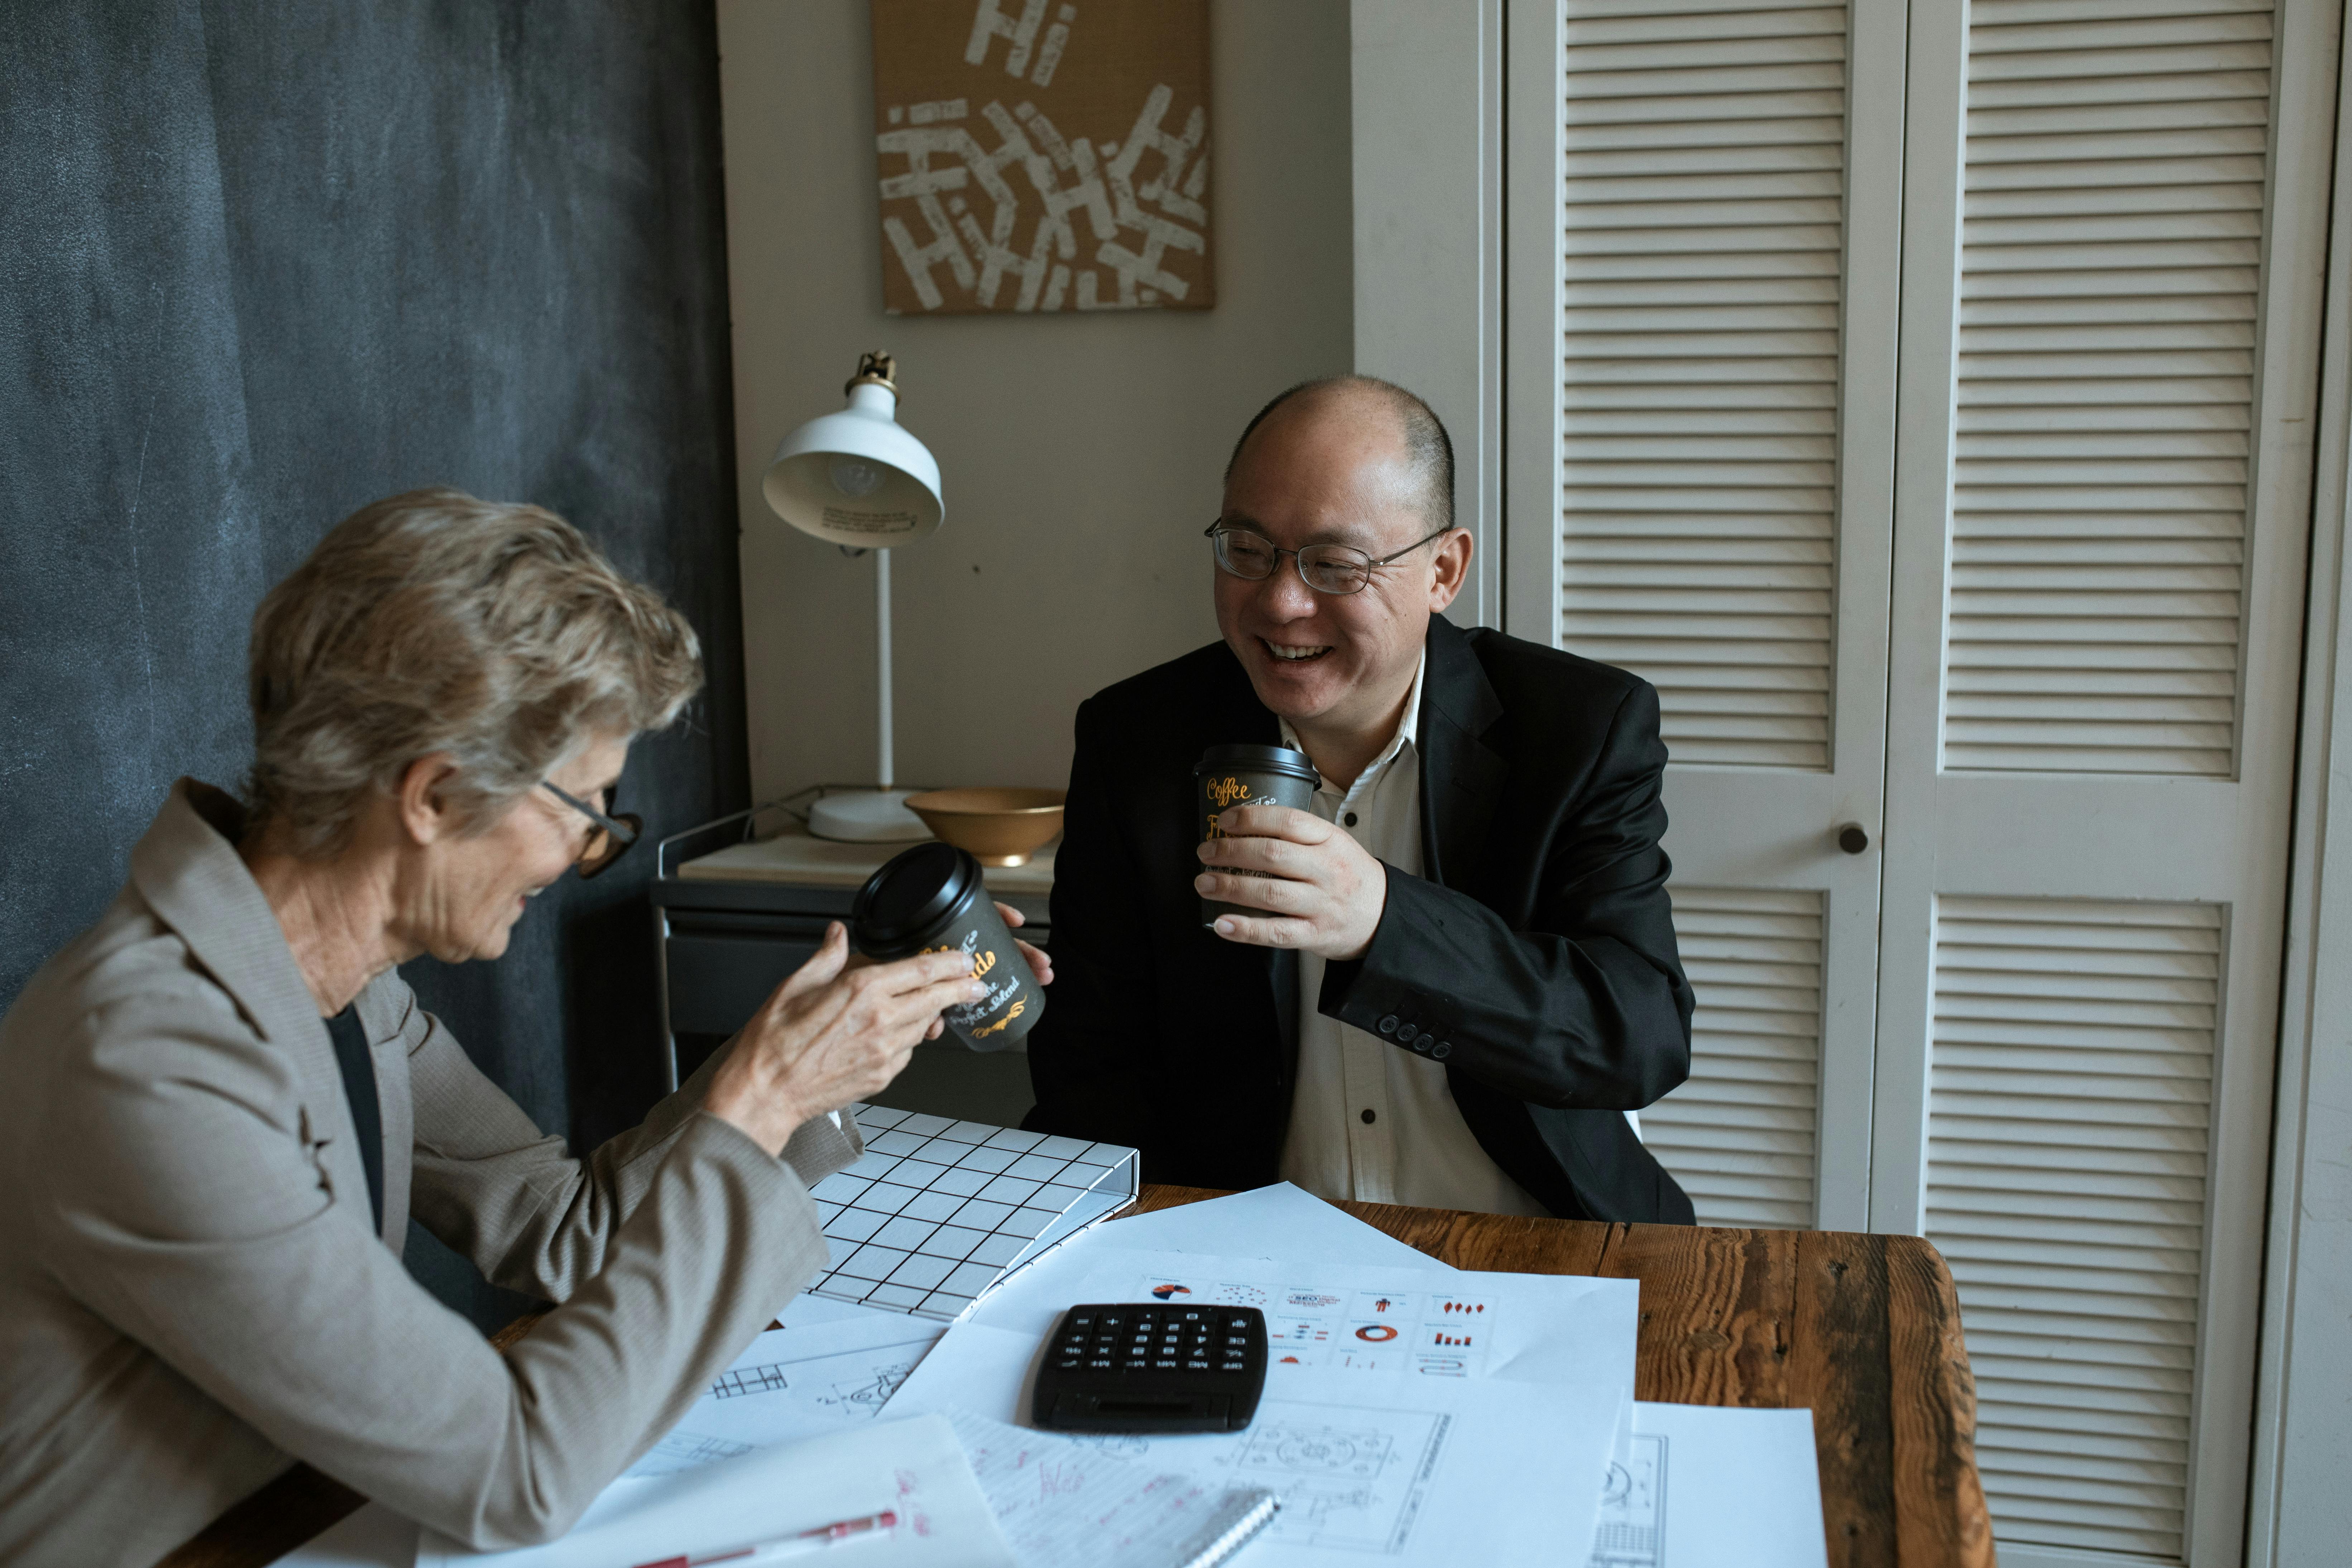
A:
(1730, 180)
(2113, 231)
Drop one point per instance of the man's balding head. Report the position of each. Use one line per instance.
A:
(1354, 465)
(1427, 450)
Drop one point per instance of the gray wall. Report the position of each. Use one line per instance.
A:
(260, 264)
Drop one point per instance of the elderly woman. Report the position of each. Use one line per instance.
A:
(229, 1105)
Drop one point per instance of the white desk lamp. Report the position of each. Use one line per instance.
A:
(857, 480)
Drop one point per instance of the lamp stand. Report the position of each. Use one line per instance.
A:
(876, 816)
(887, 772)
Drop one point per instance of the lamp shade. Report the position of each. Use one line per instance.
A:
(856, 477)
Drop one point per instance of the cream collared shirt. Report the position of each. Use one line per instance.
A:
(1368, 1121)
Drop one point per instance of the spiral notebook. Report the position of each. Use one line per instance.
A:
(1066, 1503)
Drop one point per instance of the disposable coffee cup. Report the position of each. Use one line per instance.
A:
(1230, 776)
(931, 899)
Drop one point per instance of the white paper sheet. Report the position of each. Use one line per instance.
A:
(1435, 1471)
(914, 1467)
(1690, 1487)
(840, 1362)
(1573, 1330)
(1385, 1321)
(1711, 1487)
(1067, 1504)
(795, 1383)
(1281, 1222)
(806, 1311)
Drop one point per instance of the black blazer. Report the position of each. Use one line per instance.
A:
(1534, 956)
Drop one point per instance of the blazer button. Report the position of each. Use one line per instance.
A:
(1443, 1049)
(1388, 1024)
(1407, 1034)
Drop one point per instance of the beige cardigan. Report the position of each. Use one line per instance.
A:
(191, 1292)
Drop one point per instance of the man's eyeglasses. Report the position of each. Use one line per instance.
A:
(610, 836)
(1325, 568)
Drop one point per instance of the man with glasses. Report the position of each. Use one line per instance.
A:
(1464, 971)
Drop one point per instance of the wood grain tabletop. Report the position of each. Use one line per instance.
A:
(1864, 1330)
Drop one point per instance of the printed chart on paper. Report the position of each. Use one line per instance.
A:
(1432, 1333)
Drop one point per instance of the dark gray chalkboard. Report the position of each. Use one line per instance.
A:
(260, 264)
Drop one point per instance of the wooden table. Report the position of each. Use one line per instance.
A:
(1863, 1330)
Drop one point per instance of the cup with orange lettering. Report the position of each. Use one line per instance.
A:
(930, 900)
(1228, 777)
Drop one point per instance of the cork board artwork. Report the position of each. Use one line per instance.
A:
(1043, 154)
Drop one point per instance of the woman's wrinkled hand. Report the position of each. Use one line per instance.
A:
(831, 1035)
(1040, 965)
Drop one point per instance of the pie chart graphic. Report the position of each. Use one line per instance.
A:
(1377, 1333)
(1170, 1292)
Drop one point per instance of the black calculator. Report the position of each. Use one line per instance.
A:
(1120, 1367)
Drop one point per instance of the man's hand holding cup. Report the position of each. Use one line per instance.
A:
(1322, 891)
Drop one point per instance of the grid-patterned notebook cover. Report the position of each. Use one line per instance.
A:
(938, 1211)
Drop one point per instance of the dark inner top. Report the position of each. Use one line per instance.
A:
(358, 1068)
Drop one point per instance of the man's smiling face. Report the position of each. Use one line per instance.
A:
(1331, 468)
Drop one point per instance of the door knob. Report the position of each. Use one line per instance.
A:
(1853, 838)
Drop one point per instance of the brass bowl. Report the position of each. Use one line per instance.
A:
(1000, 827)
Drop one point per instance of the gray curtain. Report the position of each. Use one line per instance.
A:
(260, 264)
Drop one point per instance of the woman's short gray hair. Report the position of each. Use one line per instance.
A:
(435, 622)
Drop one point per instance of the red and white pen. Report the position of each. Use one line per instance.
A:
(786, 1546)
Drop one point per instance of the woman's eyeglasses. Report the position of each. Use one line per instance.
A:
(610, 836)
(1325, 568)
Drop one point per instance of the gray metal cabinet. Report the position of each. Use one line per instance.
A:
(724, 945)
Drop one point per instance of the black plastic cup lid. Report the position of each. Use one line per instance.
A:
(914, 892)
(1257, 758)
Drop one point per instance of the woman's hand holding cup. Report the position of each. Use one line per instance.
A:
(831, 1035)
(1039, 964)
